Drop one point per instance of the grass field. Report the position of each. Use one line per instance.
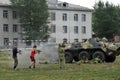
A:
(103, 71)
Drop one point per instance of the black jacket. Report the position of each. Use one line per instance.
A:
(15, 51)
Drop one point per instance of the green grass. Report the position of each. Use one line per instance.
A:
(104, 71)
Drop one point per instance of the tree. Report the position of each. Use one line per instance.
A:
(106, 18)
(33, 16)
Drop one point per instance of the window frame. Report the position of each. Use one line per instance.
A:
(5, 13)
(15, 28)
(76, 29)
(6, 41)
(83, 17)
(53, 28)
(75, 17)
(64, 17)
(14, 14)
(84, 29)
(65, 29)
(53, 16)
(5, 28)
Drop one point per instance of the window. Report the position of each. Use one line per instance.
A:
(64, 29)
(14, 15)
(53, 28)
(65, 40)
(6, 41)
(76, 29)
(5, 13)
(64, 17)
(15, 41)
(53, 16)
(84, 29)
(75, 17)
(83, 17)
(45, 29)
(15, 28)
(76, 40)
(5, 28)
(65, 4)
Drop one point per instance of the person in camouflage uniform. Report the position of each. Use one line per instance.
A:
(61, 48)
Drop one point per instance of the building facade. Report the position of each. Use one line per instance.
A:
(9, 26)
(68, 22)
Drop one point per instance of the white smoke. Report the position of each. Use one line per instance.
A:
(48, 54)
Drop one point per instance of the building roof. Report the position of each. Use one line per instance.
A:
(4, 5)
(59, 6)
(70, 7)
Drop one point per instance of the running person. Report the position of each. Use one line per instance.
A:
(32, 56)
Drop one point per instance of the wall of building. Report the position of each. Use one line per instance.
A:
(70, 23)
(58, 35)
(10, 21)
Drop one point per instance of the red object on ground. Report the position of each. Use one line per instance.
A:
(116, 37)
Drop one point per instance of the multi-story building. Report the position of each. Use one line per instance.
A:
(68, 22)
(9, 25)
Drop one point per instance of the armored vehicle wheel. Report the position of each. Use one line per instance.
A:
(99, 55)
(83, 55)
(76, 59)
(110, 58)
(68, 57)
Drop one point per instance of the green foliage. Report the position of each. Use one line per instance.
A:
(33, 16)
(106, 18)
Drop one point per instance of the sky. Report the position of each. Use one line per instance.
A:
(85, 3)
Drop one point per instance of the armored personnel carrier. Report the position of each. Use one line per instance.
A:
(91, 49)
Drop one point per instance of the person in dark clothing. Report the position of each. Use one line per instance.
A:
(15, 51)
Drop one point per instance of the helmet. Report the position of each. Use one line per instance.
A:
(104, 39)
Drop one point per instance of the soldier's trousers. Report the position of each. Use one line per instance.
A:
(61, 61)
(15, 62)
